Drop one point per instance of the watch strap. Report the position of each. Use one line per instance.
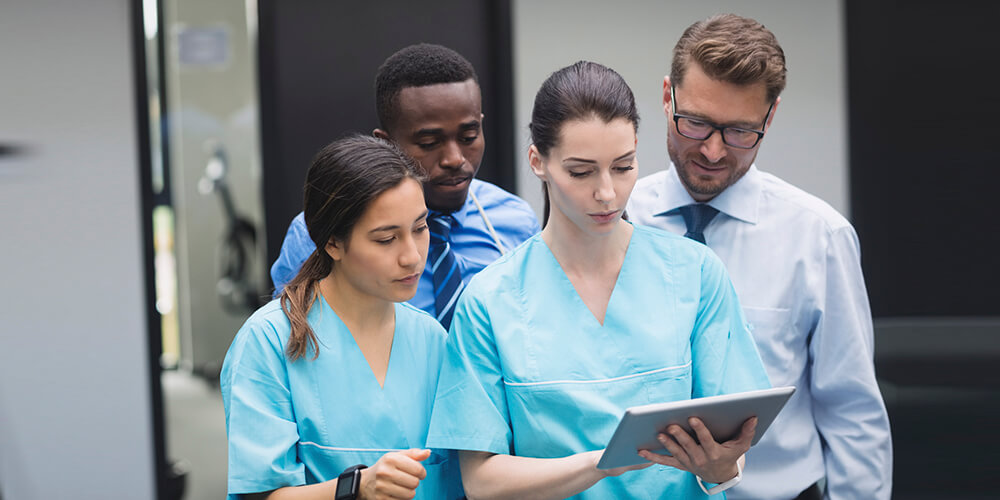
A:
(719, 488)
(349, 482)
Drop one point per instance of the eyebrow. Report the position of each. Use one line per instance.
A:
(439, 131)
(393, 227)
(748, 125)
(574, 159)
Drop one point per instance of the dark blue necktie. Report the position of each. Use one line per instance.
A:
(447, 278)
(696, 218)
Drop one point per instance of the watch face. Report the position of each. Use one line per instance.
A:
(344, 487)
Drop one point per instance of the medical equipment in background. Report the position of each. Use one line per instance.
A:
(236, 287)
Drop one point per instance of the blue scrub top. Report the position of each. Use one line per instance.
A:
(302, 422)
(531, 372)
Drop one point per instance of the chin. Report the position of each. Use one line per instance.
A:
(448, 202)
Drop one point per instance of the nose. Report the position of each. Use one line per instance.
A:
(604, 192)
(452, 156)
(414, 252)
(713, 148)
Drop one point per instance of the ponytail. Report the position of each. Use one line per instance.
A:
(297, 299)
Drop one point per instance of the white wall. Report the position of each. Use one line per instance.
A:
(74, 380)
(807, 144)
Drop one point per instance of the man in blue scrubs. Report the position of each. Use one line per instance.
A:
(428, 102)
(795, 263)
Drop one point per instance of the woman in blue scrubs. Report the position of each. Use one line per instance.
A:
(550, 344)
(328, 389)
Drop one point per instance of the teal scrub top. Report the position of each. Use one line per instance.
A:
(302, 422)
(531, 372)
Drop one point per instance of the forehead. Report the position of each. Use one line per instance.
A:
(594, 139)
(720, 101)
(399, 205)
(434, 106)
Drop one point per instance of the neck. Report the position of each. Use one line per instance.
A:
(361, 312)
(580, 250)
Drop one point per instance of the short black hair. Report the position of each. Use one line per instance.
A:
(416, 66)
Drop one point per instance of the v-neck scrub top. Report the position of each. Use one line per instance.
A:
(531, 372)
(302, 422)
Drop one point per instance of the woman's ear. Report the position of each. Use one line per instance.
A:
(537, 162)
(334, 249)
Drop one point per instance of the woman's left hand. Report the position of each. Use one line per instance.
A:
(711, 461)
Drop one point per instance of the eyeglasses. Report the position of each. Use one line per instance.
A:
(699, 130)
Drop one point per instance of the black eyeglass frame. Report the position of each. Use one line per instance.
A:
(722, 130)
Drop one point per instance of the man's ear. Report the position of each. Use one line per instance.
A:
(381, 134)
(334, 249)
(535, 161)
(666, 96)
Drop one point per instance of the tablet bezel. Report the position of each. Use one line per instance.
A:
(723, 415)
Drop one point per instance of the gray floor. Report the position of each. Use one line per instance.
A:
(196, 433)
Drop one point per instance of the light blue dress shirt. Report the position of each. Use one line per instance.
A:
(531, 372)
(795, 263)
(303, 422)
(472, 244)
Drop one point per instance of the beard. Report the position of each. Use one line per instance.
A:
(706, 188)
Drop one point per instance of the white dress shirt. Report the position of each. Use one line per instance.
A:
(796, 266)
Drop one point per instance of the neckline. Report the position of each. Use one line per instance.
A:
(356, 349)
(578, 299)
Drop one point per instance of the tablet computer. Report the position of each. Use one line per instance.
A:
(723, 415)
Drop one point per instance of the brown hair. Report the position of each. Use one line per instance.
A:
(577, 92)
(732, 49)
(343, 180)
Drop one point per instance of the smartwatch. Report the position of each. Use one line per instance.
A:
(722, 486)
(348, 483)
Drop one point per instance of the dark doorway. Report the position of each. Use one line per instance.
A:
(924, 140)
(317, 69)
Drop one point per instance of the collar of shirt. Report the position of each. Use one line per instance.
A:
(740, 201)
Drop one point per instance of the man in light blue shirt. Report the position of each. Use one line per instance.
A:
(428, 102)
(794, 261)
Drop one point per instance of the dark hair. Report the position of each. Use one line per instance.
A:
(732, 49)
(416, 66)
(343, 180)
(578, 92)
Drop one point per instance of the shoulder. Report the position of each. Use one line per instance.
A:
(673, 255)
(418, 319)
(508, 270)
(805, 207)
(261, 339)
(267, 320)
(492, 196)
(669, 246)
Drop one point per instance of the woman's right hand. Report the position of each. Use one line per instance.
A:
(395, 476)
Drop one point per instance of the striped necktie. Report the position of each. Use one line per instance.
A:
(447, 278)
(696, 218)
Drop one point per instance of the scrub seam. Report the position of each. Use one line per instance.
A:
(600, 381)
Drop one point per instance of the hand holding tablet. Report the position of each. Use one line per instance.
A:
(722, 415)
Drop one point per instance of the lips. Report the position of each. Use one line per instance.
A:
(452, 181)
(603, 217)
(408, 280)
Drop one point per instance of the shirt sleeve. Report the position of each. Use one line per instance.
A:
(847, 404)
(724, 356)
(470, 407)
(296, 248)
(260, 423)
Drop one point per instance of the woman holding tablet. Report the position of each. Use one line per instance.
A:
(328, 389)
(550, 344)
